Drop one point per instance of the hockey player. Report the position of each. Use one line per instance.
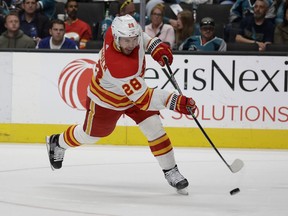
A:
(118, 87)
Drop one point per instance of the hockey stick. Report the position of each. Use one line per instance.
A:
(237, 164)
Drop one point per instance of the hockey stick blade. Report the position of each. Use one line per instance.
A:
(236, 166)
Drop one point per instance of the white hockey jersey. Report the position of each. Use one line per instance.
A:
(118, 81)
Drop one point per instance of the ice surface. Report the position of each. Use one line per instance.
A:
(127, 181)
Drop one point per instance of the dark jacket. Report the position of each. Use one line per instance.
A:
(19, 41)
(41, 22)
(2, 27)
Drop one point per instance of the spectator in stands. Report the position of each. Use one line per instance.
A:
(256, 28)
(47, 7)
(280, 10)
(13, 37)
(195, 2)
(187, 1)
(243, 8)
(158, 29)
(76, 29)
(4, 8)
(185, 27)
(169, 20)
(128, 7)
(57, 39)
(151, 4)
(33, 23)
(13, 5)
(125, 7)
(240, 9)
(226, 2)
(281, 30)
(207, 41)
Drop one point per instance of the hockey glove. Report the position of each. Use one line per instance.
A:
(181, 104)
(159, 50)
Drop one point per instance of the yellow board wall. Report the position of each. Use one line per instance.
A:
(181, 137)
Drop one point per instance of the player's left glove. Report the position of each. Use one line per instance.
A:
(159, 50)
(181, 103)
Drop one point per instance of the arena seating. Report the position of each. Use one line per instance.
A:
(277, 48)
(242, 47)
(94, 12)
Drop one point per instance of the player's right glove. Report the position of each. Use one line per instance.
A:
(181, 104)
(159, 51)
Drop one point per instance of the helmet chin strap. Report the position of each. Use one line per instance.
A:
(116, 42)
(116, 45)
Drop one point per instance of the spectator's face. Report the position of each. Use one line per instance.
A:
(128, 44)
(129, 9)
(72, 9)
(207, 32)
(179, 22)
(156, 17)
(57, 32)
(260, 10)
(12, 23)
(29, 6)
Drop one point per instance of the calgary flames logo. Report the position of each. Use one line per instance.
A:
(73, 82)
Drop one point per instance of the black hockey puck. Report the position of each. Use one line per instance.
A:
(234, 191)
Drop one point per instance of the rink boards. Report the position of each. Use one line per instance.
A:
(242, 100)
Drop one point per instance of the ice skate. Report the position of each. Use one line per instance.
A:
(55, 152)
(176, 180)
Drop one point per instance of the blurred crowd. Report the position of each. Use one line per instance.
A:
(50, 24)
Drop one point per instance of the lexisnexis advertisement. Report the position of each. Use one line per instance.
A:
(243, 97)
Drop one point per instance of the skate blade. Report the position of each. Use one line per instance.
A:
(183, 191)
(48, 150)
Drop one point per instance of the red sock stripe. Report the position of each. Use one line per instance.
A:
(161, 146)
(69, 137)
